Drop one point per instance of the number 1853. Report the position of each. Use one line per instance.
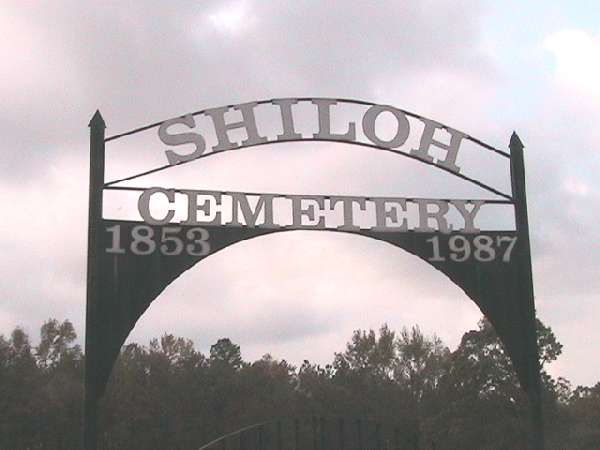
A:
(170, 241)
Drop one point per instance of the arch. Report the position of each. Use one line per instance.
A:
(122, 284)
(132, 282)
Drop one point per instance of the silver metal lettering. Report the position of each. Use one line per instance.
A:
(382, 214)
(468, 216)
(144, 205)
(194, 206)
(287, 119)
(427, 140)
(368, 124)
(181, 139)
(264, 203)
(248, 122)
(439, 215)
(323, 107)
(347, 204)
(298, 211)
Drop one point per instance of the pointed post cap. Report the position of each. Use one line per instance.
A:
(515, 142)
(97, 121)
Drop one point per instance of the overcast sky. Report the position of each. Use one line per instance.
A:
(486, 68)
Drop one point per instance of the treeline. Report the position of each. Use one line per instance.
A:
(167, 395)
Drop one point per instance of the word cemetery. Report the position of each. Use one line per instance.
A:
(311, 211)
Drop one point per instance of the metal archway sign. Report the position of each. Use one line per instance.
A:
(131, 262)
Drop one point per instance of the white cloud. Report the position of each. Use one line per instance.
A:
(576, 59)
(576, 187)
(232, 18)
(34, 61)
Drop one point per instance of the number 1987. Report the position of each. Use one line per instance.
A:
(483, 248)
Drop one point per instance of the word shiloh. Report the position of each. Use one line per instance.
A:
(161, 206)
(176, 132)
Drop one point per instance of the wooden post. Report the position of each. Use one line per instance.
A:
(314, 432)
(261, 437)
(322, 431)
(279, 436)
(359, 434)
(342, 435)
(534, 389)
(90, 406)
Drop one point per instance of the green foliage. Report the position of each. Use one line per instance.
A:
(56, 344)
(226, 354)
(169, 395)
(369, 355)
(584, 410)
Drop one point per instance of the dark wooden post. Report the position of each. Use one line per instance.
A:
(261, 439)
(296, 434)
(359, 434)
(279, 436)
(323, 437)
(534, 389)
(342, 437)
(314, 432)
(90, 407)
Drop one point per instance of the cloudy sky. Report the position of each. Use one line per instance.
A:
(486, 68)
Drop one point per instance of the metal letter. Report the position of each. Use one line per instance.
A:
(180, 139)
(309, 211)
(468, 216)
(427, 141)
(381, 214)
(194, 207)
(323, 105)
(439, 216)
(144, 205)
(348, 212)
(265, 201)
(248, 122)
(368, 124)
(287, 119)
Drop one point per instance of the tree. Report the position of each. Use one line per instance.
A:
(369, 355)
(485, 406)
(169, 395)
(20, 397)
(225, 353)
(60, 362)
(56, 343)
(392, 376)
(422, 362)
(584, 411)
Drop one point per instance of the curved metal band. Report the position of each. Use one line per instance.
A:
(363, 144)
